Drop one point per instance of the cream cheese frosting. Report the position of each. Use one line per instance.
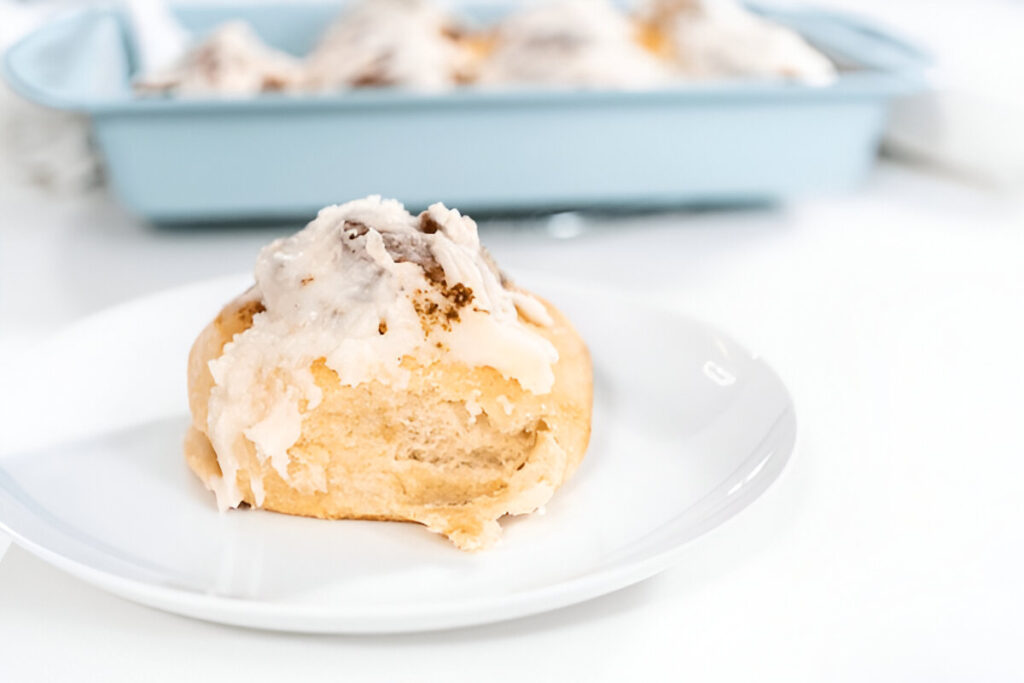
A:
(416, 44)
(722, 39)
(585, 43)
(362, 287)
(410, 43)
(231, 61)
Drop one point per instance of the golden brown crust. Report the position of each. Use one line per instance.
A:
(233, 319)
(420, 454)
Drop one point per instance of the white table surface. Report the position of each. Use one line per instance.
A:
(892, 548)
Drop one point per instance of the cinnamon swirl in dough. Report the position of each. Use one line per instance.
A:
(382, 367)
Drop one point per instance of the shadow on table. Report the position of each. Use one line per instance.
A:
(483, 215)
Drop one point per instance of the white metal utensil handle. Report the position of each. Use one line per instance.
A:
(4, 542)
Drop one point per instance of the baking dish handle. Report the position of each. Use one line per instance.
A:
(70, 63)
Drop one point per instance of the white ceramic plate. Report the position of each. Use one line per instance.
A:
(688, 429)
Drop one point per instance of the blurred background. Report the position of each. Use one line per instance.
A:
(939, 101)
(865, 234)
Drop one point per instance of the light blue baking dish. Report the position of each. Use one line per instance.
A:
(278, 155)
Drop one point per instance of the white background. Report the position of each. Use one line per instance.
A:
(892, 548)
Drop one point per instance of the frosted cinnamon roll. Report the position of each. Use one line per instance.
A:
(582, 43)
(707, 39)
(406, 43)
(231, 61)
(382, 367)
